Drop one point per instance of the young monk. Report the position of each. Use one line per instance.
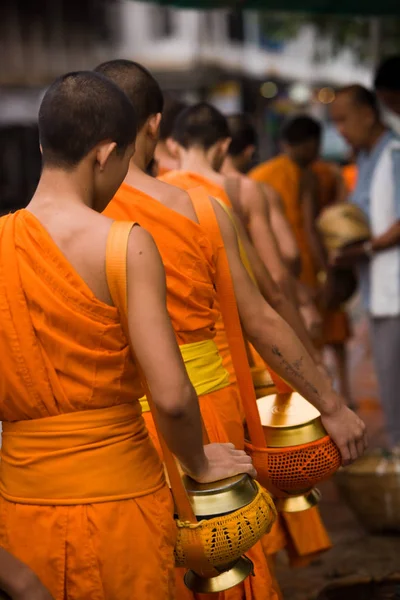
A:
(189, 262)
(165, 154)
(168, 213)
(83, 498)
(202, 135)
(255, 206)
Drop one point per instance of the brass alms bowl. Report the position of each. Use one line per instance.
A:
(220, 497)
(289, 420)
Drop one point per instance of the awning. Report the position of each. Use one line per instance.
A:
(328, 7)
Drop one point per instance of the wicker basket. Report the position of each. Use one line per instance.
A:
(371, 487)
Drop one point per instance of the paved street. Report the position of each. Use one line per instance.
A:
(355, 555)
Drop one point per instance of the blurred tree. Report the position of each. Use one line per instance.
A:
(369, 38)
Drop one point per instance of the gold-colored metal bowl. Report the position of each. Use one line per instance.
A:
(233, 575)
(343, 224)
(299, 502)
(220, 497)
(289, 420)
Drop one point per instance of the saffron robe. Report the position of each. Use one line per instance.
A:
(65, 357)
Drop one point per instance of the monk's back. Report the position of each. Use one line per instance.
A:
(72, 338)
(186, 253)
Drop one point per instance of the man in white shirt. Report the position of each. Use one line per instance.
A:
(356, 114)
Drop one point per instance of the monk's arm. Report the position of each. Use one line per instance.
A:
(175, 400)
(263, 238)
(274, 295)
(19, 581)
(282, 230)
(279, 346)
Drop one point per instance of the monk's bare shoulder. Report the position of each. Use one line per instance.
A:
(175, 198)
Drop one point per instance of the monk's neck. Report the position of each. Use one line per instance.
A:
(196, 161)
(137, 176)
(58, 190)
(229, 167)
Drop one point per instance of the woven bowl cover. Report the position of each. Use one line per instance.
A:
(297, 467)
(225, 538)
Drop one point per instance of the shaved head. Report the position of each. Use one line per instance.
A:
(79, 111)
(172, 108)
(200, 126)
(242, 132)
(138, 84)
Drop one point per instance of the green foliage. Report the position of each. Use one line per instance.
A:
(335, 33)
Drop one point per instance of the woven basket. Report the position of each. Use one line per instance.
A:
(371, 487)
(226, 537)
(296, 468)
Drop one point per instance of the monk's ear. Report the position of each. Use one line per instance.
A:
(249, 152)
(224, 146)
(41, 148)
(153, 127)
(103, 153)
(172, 147)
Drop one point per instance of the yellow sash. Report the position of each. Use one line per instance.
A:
(204, 367)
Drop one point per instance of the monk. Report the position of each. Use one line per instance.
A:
(252, 203)
(165, 154)
(83, 497)
(168, 213)
(189, 261)
(202, 135)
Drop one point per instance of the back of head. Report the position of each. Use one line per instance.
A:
(80, 110)
(387, 76)
(172, 108)
(301, 129)
(200, 126)
(138, 84)
(243, 134)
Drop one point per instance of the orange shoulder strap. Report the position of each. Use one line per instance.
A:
(116, 270)
(226, 296)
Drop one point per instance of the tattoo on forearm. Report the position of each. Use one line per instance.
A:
(294, 369)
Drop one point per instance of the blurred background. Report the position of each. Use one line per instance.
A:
(265, 63)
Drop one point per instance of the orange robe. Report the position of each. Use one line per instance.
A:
(336, 323)
(191, 299)
(301, 547)
(350, 173)
(283, 175)
(63, 355)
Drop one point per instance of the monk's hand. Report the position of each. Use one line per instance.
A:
(347, 430)
(222, 461)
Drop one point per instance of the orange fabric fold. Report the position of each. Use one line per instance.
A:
(64, 352)
(40, 456)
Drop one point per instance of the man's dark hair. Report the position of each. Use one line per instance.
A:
(362, 96)
(200, 125)
(138, 84)
(172, 108)
(242, 132)
(387, 76)
(301, 129)
(80, 110)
